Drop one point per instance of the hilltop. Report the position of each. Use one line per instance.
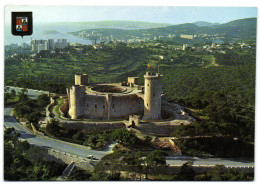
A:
(204, 23)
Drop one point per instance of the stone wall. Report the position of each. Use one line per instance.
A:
(64, 107)
(49, 154)
(48, 109)
(157, 128)
(90, 125)
(103, 107)
(95, 107)
(85, 164)
(63, 157)
(123, 106)
(203, 169)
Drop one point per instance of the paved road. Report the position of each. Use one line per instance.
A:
(83, 151)
(78, 150)
(75, 149)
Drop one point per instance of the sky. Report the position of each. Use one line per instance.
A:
(160, 14)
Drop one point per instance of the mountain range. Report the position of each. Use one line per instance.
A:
(237, 29)
(108, 24)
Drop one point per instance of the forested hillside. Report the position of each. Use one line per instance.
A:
(216, 87)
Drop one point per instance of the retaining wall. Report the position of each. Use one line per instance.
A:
(64, 108)
(91, 125)
(157, 128)
(203, 169)
(50, 154)
(59, 156)
(48, 112)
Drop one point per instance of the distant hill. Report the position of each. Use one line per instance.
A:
(237, 29)
(204, 23)
(119, 24)
(242, 22)
(241, 27)
(50, 32)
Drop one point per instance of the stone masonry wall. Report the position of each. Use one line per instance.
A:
(158, 128)
(91, 125)
(119, 107)
(123, 106)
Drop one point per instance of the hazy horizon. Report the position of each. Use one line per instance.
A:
(141, 21)
(153, 14)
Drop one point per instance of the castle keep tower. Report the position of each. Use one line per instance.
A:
(152, 96)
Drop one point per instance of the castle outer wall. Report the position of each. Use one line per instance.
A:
(108, 106)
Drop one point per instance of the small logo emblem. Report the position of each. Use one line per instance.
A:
(22, 23)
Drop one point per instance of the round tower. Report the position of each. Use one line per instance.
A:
(152, 96)
(76, 101)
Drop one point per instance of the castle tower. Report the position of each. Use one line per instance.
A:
(81, 79)
(152, 96)
(77, 100)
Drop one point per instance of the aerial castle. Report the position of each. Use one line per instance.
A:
(114, 100)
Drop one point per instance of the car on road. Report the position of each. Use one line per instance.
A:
(92, 157)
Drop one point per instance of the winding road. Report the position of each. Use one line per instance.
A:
(83, 151)
(45, 141)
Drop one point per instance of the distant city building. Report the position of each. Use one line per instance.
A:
(7, 47)
(62, 40)
(184, 46)
(98, 47)
(61, 43)
(39, 45)
(13, 46)
(35, 45)
(25, 46)
(188, 36)
(94, 42)
(51, 44)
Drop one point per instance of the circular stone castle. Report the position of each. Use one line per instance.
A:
(116, 100)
